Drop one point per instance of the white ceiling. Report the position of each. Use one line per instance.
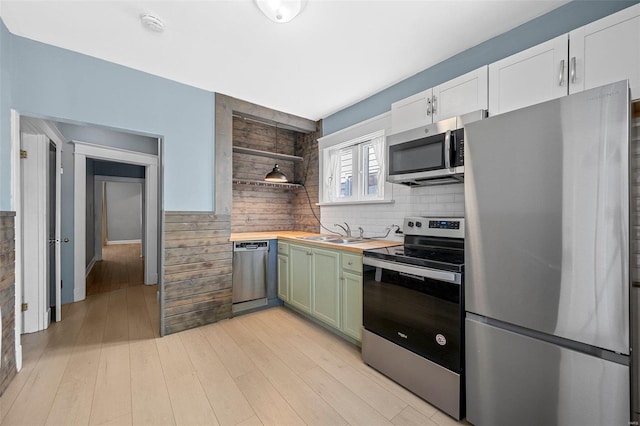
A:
(334, 54)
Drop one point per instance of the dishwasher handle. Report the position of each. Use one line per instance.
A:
(251, 246)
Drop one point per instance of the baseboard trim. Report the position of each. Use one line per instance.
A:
(115, 242)
(90, 267)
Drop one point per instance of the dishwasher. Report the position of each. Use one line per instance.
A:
(249, 275)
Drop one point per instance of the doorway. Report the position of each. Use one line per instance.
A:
(82, 151)
(37, 202)
(115, 234)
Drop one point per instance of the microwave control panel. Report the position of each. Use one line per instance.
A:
(458, 137)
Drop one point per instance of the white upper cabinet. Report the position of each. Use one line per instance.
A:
(412, 112)
(534, 75)
(459, 96)
(606, 51)
(463, 94)
(603, 52)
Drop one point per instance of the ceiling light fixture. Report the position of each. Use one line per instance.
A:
(281, 11)
(152, 23)
(276, 174)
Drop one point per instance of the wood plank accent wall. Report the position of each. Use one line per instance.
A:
(258, 208)
(307, 172)
(7, 298)
(197, 269)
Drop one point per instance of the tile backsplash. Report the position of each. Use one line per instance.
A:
(441, 200)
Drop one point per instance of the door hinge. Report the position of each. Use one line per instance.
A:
(23, 153)
(25, 306)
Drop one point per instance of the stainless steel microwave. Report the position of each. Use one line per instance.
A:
(431, 154)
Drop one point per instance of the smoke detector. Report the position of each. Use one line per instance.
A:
(152, 23)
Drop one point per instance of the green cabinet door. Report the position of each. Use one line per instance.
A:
(283, 277)
(352, 305)
(300, 277)
(325, 303)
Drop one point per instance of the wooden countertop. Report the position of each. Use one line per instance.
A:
(291, 236)
(269, 235)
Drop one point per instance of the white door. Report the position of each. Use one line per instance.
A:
(412, 112)
(606, 51)
(40, 275)
(463, 94)
(529, 77)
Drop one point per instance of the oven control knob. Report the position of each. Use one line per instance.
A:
(418, 224)
(410, 224)
(441, 340)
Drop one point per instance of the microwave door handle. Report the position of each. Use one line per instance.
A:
(447, 149)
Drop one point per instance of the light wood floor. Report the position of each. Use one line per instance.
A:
(121, 266)
(105, 364)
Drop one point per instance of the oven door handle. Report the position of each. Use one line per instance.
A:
(451, 277)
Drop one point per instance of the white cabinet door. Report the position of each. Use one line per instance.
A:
(411, 112)
(529, 77)
(606, 51)
(463, 94)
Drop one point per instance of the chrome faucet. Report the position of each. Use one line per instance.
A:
(361, 232)
(346, 230)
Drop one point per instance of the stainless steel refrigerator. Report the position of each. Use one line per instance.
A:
(547, 263)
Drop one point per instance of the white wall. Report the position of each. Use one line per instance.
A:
(124, 211)
(442, 200)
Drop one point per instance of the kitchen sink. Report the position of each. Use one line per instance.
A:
(332, 239)
(345, 240)
(317, 238)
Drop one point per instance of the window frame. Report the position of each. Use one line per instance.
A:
(359, 157)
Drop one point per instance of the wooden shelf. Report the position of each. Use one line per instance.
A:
(252, 182)
(286, 157)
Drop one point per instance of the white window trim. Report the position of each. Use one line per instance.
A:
(359, 197)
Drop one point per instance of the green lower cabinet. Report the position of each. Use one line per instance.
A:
(283, 277)
(326, 286)
(352, 305)
(324, 283)
(300, 277)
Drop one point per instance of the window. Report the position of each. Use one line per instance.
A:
(353, 171)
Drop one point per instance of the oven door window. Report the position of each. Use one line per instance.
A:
(419, 314)
(417, 156)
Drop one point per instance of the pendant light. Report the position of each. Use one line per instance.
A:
(276, 174)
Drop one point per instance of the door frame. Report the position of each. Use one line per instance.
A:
(84, 150)
(47, 128)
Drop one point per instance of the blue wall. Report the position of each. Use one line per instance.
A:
(50, 82)
(557, 22)
(5, 118)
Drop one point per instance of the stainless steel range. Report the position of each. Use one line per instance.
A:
(413, 311)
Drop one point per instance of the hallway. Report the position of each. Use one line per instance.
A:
(121, 267)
